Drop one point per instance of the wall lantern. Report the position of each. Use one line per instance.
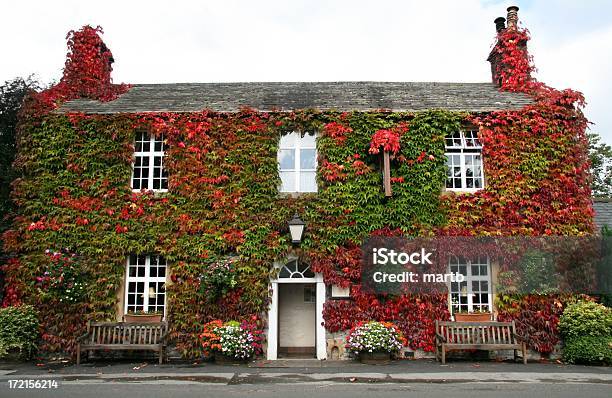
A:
(296, 228)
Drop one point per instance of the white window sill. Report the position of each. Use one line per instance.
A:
(155, 191)
(463, 190)
(293, 194)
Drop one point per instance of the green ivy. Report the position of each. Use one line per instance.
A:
(18, 330)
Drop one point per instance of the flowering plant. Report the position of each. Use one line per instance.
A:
(218, 279)
(63, 278)
(374, 337)
(232, 339)
(142, 312)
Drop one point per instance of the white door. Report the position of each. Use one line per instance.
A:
(296, 318)
(296, 313)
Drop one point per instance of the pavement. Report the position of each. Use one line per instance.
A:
(308, 371)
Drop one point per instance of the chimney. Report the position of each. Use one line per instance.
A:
(495, 57)
(500, 24)
(512, 17)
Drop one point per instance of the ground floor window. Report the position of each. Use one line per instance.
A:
(146, 284)
(474, 293)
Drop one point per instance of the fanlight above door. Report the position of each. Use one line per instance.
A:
(296, 270)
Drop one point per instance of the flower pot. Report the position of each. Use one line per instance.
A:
(142, 318)
(375, 358)
(473, 317)
(222, 359)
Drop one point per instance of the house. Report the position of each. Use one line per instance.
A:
(176, 198)
(603, 212)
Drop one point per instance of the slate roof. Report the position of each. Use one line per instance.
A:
(341, 96)
(603, 212)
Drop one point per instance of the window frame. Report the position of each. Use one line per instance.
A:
(297, 169)
(469, 278)
(146, 279)
(151, 154)
(467, 147)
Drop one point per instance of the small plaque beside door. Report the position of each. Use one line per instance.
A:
(340, 292)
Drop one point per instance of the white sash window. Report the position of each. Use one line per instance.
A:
(464, 170)
(145, 284)
(474, 293)
(297, 162)
(149, 170)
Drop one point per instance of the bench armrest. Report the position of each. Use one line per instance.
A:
(440, 338)
(164, 337)
(82, 337)
(520, 337)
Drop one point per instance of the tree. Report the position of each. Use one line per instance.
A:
(600, 155)
(12, 94)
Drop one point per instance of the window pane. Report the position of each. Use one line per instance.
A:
(308, 140)
(308, 181)
(453, 140)
(286, 159)
(289, 140)
(287, 181)
(471, 139)
(159, 144)
(308, 159)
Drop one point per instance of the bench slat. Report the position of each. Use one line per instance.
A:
(486, 347)
(122, 346)
(487, 323)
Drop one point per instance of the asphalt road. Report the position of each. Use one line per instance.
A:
(181, 389)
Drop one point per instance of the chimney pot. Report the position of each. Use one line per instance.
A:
(513, 17)
(500, 24)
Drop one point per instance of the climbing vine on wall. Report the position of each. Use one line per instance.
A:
(223, 198)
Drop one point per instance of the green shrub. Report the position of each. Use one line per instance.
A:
(18, 330)
(586, 318)
(588, 350)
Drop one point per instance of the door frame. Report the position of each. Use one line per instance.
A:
(272, 332)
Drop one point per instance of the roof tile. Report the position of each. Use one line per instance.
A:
(341, 96)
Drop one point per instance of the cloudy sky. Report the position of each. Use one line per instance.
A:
(316, 40)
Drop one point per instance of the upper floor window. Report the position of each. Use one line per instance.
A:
(149, 168)
(474, 293)
(145, 284)
(297, 162)
(464, 171)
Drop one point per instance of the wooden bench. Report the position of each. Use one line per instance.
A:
(478, 336)
(123, 336)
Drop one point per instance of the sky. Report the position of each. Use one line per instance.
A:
(316, 40)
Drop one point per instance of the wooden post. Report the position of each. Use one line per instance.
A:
(387, 173)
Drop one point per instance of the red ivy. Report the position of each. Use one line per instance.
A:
(388, 139)
(337, 131)
(87, 74)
